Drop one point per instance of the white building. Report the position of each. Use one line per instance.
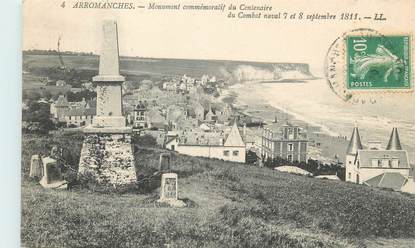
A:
(233, 149)
(374, 166)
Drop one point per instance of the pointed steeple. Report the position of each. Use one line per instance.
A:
(234, 137)
(355, 143)
(394, 142)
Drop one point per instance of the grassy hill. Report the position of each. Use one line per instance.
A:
(229, 205)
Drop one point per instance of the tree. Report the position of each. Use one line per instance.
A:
(78, 96)
(38, 115)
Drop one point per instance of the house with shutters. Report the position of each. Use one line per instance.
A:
(379, 167)
(287, 141)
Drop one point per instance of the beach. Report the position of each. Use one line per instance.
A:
(327, 118)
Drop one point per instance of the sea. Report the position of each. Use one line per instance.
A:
(313, 101)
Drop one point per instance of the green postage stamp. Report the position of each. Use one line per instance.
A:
(378, 62)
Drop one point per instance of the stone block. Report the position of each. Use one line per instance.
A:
(52, 175)
(110, 163)
(168, 190)
(36, 167)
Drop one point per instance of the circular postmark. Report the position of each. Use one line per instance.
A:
(363, 64)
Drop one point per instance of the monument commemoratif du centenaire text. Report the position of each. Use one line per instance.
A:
(107, 154)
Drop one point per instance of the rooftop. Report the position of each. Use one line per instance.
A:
(81, 112)
(390, 180)
(366, 157)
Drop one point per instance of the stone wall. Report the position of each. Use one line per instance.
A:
(108, 159)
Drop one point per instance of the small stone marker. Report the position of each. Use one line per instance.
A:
(168, 190)
(164, 162)
(52, 175)
(36, 167)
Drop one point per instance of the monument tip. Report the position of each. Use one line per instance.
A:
(109, 58)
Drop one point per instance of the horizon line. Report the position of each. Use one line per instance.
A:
(136, 56)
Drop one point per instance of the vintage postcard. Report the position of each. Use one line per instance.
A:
(218, 123)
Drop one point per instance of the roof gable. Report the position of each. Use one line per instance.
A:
(234, 138)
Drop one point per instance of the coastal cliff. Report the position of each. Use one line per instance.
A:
(156, 68)
(255, 71)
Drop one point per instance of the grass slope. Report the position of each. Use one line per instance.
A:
(230, 205)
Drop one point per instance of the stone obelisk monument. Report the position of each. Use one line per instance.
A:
(107, 154)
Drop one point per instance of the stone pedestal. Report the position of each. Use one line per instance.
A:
(168, 190)
(107, 158)
(107, 154)
(52, 175)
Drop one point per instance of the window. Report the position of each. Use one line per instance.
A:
(290, 158)
(235, 153)
(226, 153)
(290, 147)
(350, 175)
(375, 162)
(290, 133)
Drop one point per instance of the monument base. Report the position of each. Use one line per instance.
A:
(54, 185)
(107, 158)
(107, 130)
(173, 203)
(109, 121)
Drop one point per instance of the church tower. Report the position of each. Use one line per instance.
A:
(354, 145)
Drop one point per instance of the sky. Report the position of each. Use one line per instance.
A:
(209, 35)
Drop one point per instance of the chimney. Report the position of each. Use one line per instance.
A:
(375, 145)
(244, 130)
